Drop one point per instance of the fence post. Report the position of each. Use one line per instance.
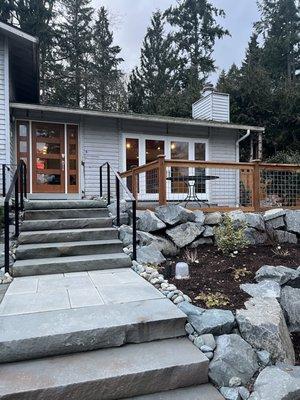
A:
(118, 200)
(134, 184)
(256, 186)
(162, 176)
(108, 184)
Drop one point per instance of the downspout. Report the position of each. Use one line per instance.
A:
(237, 158)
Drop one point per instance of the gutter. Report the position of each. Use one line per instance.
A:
(237, 145)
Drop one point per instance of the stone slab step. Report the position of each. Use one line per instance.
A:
(65, 249)
(63, 204)
(59, 265)
(201, 392)
(64, 235)
(107, 374)
(66, 213)
(82, 329)
(71, 223)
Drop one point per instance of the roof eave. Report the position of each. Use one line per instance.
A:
(12, 31)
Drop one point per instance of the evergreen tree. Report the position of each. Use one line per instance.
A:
(195, 33)
(74, 52)
(6, 10)
(151, 83)
(107, 86)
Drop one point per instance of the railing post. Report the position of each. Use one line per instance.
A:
(162, 176)
(134, 184)
(17, 207)
(256, 186)
(3, 180)
(25, 180)
(100, 181)
(21, 177)
(118, 200)
(134, 229)
(108, 183)
(6, 236)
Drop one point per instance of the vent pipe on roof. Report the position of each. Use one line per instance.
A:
(212, 105)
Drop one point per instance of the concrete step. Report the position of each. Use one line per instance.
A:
(65, 249)
(63, 204)
(77, 223)
(107, 374)
(76, 330)
(58, 265)
(66, 213)
(64, 235)
(201, 392)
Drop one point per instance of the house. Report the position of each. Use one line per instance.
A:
(64, 147)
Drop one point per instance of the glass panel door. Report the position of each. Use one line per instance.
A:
(179, 151)
(48, 158)
(132, 157)
(72, 157)
(200, 156)
(154, 148)
(23, 146)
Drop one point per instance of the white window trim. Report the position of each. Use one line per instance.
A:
(167, 139)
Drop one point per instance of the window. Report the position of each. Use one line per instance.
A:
(132, 157)
(179, 151)
(154, 148)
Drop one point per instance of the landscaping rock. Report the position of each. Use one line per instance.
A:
(238, 217)
(279, 274)
(274, 213)
(213, 321)
(275, 224)
(208, 340)
(264, 357)
(174, 214)
(201, 241)
(255, 237)
(262, 325)
(244, 393)
(200, 217)
(235, 381)
(124, 207)
(280, 382)
(209, 355)
(147, 221)
(206, 349)
(214, 218)
(290, 302)
(233, 357)
(190, 309)
(255, 221)
(184, 234)
(292, 219)
(162, 244)
(208, 232)
(230, 393)
(149, 255)
(285, 237)
(262, 289)
(125, 234)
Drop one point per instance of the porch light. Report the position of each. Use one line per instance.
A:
(128, 145)
(173, 146)
(182, 271)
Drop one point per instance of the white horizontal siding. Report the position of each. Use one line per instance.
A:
(4, 101)
(202, 109)
(214, 106)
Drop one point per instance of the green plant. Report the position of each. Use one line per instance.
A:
(240, 273)
(191, 256)
(230, 237)
(216, 299)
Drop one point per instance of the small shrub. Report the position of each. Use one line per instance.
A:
(216, 299)
(191, 256)
(231, 238)
(240, 273)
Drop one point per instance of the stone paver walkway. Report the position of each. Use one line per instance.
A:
(74, 290)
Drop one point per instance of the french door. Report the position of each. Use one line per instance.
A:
(51, 156)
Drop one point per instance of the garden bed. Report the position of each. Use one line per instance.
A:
(215, 278)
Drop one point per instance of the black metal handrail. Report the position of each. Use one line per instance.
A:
(119, 182)
(18, 187)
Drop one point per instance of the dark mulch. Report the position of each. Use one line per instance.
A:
(216, 272)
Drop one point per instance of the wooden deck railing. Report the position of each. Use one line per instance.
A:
(252, 186)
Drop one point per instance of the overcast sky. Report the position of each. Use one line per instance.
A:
(131, 18)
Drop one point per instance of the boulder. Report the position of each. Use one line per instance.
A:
(238, 217)
(214, 218)
(281, 382)
(264, 357)
(262, 289)
(208, 232)
(212, 321)
(230, 393)
(147, 221)
(184, 234)
(279, 274)
(290, 302)
(200, 217)
(149, 255)
(292, 219)
(275, 223)
(124, 207)
(255, 220)
(190, 310)
(158, 242)
(285, 237)
(262, 325)
(174, 214)
(201, 241)
(274, 213)
(125, 234)
(255, 237)
(233, 357)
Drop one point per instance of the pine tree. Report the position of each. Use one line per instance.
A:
(74, 51)
(107, 86)
(195, 33)
(151, 83)
(6, 10)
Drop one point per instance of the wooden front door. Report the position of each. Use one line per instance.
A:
(48, 158)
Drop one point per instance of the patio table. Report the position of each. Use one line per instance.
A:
(190, 181)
